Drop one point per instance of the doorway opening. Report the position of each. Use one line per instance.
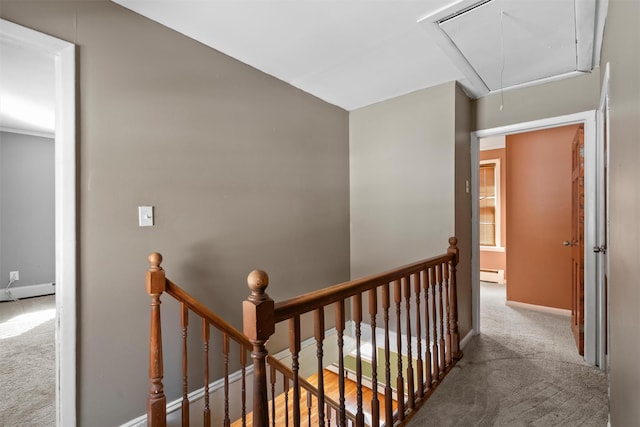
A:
(63, 54)
(593, 304)
(530, 229)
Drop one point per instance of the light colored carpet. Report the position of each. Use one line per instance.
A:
(522, 370)
(27, 362)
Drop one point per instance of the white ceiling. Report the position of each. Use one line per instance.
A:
(350, 53)
(27, 87)
(353, 53)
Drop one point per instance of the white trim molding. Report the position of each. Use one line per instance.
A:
(467, 339)
(63, 54)
(28, 291)
(540, 308)
(588, 118)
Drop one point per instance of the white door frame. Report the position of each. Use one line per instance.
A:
(591, 311)
(602, 263)
(63, 54)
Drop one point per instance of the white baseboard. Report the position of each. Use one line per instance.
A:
(467, 338)
(494, 276)
(29, 291)
(541, 308)
(218, 385)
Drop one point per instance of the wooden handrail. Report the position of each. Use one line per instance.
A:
(313, 300)
(157, 283)
(201, 310)
(434, 279)
(436, 276)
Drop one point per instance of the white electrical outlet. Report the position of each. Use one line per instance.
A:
(14, 276)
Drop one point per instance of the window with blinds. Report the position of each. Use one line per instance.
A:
(488, 191)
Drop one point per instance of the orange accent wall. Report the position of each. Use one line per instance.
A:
(490, 259)
(539, 212)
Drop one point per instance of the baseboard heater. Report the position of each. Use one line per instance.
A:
(490, 275)
(20, 292)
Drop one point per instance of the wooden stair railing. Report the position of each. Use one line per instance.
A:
(434, 279)
(157, 284)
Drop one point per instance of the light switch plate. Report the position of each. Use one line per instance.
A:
(145, 216)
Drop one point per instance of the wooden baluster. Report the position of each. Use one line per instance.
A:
(357, 318)
(441, 316)
(453, 321)
(184, 323)
(205, 344)
(447, 321)
(258, 326)
(225, 352)
(427, 352)
(319, 335)
(294, 348)
(273, 395)
(419, 364)
(397, 293)
(328, 416)
(157, 402)
(388, 396)
(375, 405)
(434, 324)
(243, 369)
(410, 385)
(340, 325)
(286, 400)
(309, 405)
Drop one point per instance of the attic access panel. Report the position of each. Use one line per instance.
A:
(509, 43)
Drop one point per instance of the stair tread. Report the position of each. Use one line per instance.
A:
(331, 389)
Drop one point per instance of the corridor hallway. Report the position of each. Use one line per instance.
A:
(522, 370)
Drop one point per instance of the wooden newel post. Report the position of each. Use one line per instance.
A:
(258, 325)
(157, 402)
(453, 320)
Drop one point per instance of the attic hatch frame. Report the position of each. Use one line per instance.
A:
(588, 42)
(63, 54)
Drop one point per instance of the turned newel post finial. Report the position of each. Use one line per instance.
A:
(156, 281)
(453, 248)
(258, 318)
(155, 259)
(258, 281)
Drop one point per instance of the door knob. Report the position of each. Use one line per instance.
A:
(570, 243)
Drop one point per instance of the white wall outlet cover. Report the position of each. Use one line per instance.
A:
(145, 216)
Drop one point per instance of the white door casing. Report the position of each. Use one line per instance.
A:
(65, 212)
(591, 307)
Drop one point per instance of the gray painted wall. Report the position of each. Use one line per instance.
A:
(553, 99)
(239, 164)
(409, 159)
(27, 241)
(244, 172)
(463, 126)
(401, 160)
(622, 50)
